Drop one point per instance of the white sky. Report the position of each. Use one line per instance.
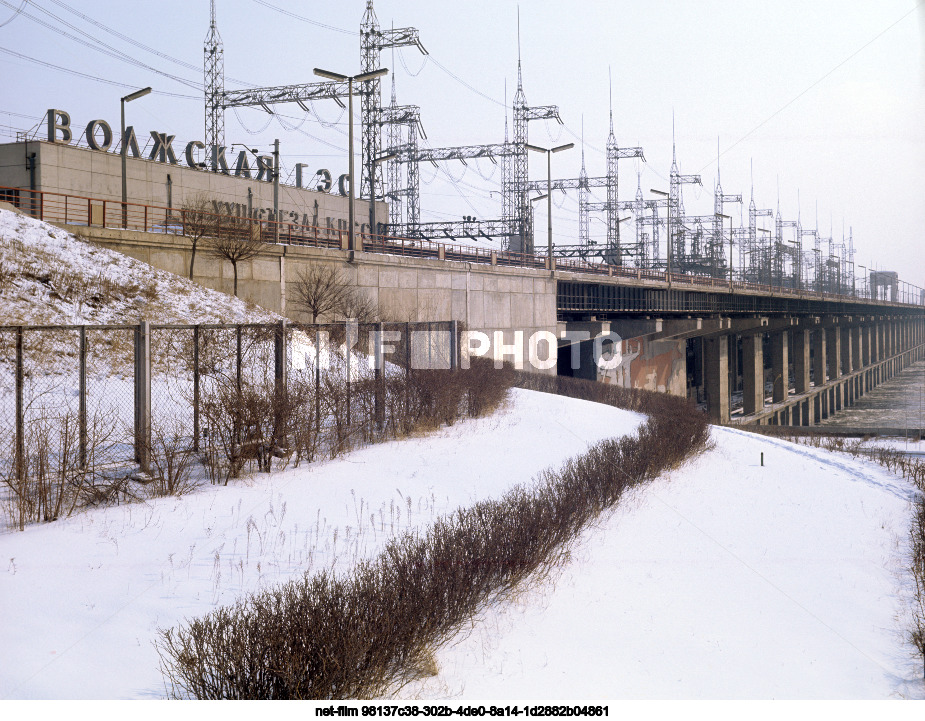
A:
(826, 97)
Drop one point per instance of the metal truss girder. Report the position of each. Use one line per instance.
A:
(461, 229)
(542, 112)
(286, 94)
(568, 183)
(399, 38)
(630, 153)
(465, 152)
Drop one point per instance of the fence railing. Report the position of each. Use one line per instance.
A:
(79, 210)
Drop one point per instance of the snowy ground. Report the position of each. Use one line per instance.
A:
(49, 276)
(724, 580)
(81, 598)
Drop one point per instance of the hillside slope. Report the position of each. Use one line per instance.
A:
(49, 277)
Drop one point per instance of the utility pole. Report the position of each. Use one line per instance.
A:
(276, 189)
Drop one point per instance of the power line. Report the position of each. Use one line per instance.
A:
(305, 19)
(97, 45)
(132, 41)
(817, 82)
(15, 14)
(93, 77)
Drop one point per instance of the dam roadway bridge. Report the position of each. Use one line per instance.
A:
(748, 353)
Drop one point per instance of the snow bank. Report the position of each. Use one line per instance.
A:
(725, 580)
(49, 276)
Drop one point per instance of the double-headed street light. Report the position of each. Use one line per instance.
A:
(549, 152)
(127, 99)
(372, 191)
(349, 79)
(254, 152)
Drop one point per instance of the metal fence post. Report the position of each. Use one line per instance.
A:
(317, 381)
(20, 424)
(239, 356)
(280, 356)
(407, 367)
(408, 351)
(350, 334)
(379, 377)
(143, 395)
(196, 332)
(82, 399)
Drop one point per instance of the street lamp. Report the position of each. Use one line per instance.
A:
(549, 152)
(254, 152)
(372, 191)
(127, 99)
(668, 220)
(349, 79)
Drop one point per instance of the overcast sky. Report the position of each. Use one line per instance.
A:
(822, 96)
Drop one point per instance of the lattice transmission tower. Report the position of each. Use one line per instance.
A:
(214, 66)
(373, 41)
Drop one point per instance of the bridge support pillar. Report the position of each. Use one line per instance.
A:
(855, 337)
(780, 366)
(835, 366)
(752, 373)
(833, 353)
(820, 400)
(819, 353)
(716, 377)
(801, 360)
(846, 365)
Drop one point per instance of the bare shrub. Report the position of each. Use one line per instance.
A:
(57, 476)
(247, 422)
(917, 568)
(304, 431)
(172, 461)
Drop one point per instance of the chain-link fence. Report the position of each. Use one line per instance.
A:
(87, 409)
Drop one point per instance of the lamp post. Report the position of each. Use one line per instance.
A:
(537, 199)
(372, 191)
(254, 152)
(549, 152)
(668, 220)
(349, 79)
(729, 217)
(127, 99)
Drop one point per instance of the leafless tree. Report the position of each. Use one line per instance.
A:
(236, 239)
(323, 290)
(359, 306)
(198, 221)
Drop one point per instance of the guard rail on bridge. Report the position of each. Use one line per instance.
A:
(67, 209)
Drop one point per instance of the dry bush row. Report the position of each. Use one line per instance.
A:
(364, 635)
(56, 477)
(253, 422)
